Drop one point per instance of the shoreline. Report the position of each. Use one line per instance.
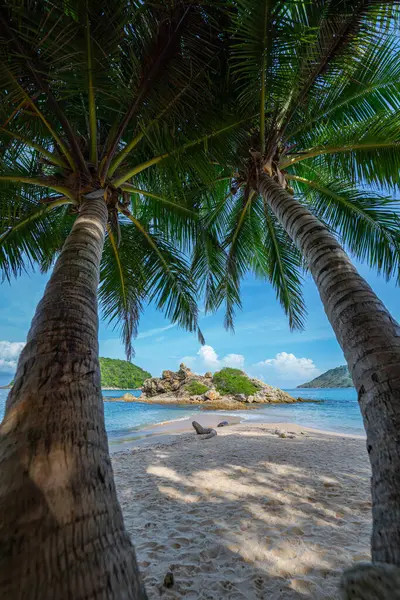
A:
(248, 514)
(111, 389)
(166, 432)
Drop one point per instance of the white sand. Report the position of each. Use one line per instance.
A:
(247, 515)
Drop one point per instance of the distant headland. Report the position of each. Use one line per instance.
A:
(334, 378)
(119, 374)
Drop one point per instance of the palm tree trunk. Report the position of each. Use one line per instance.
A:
(61, 528)
(370, 339)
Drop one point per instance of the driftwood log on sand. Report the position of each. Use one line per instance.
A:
(205, 432)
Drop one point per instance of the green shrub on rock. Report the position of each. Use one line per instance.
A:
(196, 388)
(233, 381)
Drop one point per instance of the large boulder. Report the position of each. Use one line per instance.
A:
(168, 375)
(184, 372)
(159, 385)
(268, 394)
(212, 395)
(149, 387)
(241, 397)
(170, 381)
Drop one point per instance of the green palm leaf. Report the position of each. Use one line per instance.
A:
(30, 232)
(90, 83)
(325, 78)
(283, 264)
(122, 289)
(368, 223)
(169, 281)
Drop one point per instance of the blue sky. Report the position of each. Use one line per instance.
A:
(262, 344)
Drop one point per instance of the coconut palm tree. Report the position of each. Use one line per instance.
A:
(323, 77)
(94, 95)
(103, 109)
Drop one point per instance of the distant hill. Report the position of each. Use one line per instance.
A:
(121, 374)
(334, 378)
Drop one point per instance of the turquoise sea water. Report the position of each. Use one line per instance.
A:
(123, 419)
(338, 412)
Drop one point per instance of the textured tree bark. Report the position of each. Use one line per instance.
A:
(61, 528)
(370, 339)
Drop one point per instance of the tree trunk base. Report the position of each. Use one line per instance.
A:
(371, 581)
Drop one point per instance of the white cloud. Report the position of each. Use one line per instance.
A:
(7, 366)
(284, 370)
(288, 366)
(234, 360)
(9, 353)
(207, 359)
(10, 350)
(156, 331)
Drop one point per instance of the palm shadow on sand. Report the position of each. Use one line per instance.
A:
(247, 515)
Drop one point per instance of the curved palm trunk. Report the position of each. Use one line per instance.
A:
(61, 528)
(370, 339)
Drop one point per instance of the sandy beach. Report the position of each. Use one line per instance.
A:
(246, 514)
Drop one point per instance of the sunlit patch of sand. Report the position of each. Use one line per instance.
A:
(247, 515)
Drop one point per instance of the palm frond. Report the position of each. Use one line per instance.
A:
(341, 35)
(91, 93)
(30, 232)
(122, 288)
(282, 264)
(262, 36)
(179, 152)
(239, 250)
(32, 68)
(367, 222)
(372, 87)
(169, 281)
(366, 151)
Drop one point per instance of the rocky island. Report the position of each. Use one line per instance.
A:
(226, 389)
